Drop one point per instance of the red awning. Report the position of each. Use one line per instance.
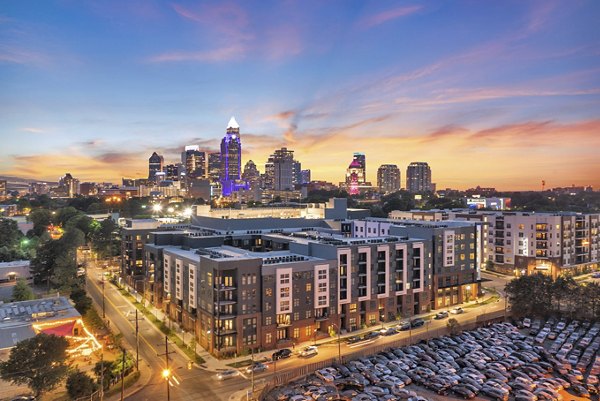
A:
(60, 330)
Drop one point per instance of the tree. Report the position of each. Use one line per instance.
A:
(42, 265)
(22, 291)
(80, 384)
(82, 302)
(38, 362)
(453, 326)
(110, 372)
(41, 219)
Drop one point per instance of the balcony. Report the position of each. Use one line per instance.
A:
(223, 316)
(321, 318)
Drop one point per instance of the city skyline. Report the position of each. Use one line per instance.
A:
(502, 95)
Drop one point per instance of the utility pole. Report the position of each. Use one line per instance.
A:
(103, 306)
(252, 365)
(123, 375)
(166, 373)
(137, 342)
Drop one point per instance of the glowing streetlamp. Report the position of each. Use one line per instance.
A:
(157, 208)
(187, 212)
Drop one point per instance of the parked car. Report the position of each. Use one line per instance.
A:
(457, 311)
(527, 322)
(281, 354)
(418, 322)
(227, 374)
(353, 339)
(309, 351)
(404, 325)
(441, 315)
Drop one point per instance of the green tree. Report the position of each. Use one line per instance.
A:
(10, 235)
(22, 291)
(453, 326)
(111, 372)
(80, 384)
(82, 302)
(42, 265)
(38, 362)
(41, 219)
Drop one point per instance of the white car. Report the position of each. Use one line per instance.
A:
(457, 311)
(309, 351)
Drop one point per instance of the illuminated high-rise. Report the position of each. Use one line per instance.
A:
(155, 165)
(231, 158)
(356, 173)
(418, 177)
(194, 161)
(388, 178)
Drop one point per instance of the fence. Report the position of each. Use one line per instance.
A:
(303, 371)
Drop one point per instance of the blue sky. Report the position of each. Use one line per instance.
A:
(498, 94)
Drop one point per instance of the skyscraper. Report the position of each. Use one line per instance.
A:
(418, 177)
(388, 178)
(356, 173)
(155, 164)
(231, 158)
(68, 185)
(214, 166)
(194, 161)
(361, 159)
(279, 170)
(251, 174)
(297, 173)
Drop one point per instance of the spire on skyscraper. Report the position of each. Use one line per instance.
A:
(233, 123)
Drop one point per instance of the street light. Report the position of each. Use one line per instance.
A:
(339, 341)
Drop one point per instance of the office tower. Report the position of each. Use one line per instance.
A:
(214, 166)
(279, 170)
(355, 173)
(68, 185)
(418, 177)
(155, 164)
(297, 173)
(388, 178)
(172, 172)
(231, 158)
(305, 176)
(251, 174)
(362, 173)
(2, 189)
(194, 161)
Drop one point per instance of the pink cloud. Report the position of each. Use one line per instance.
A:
(388, 15)
(214, 55)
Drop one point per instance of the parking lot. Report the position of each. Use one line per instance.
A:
(540, 360)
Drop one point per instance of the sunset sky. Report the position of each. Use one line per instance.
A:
(490, 93)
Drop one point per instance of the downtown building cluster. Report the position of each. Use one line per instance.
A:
(265, 283)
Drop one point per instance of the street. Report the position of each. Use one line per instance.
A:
(186, 385)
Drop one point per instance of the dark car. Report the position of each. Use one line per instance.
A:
(441, 315)
(353, 339)
(371, 335)
(281, 354)
(418, 322)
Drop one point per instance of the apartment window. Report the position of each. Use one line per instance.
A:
(322, 274)
(285, 279)
(284, 292)
(308, 331)
(352, 308)
(308, 287)
(296, 332)
(268, 338)
(296, 302)
(268, 292)
(284, 306)
(322, 287)
(254, 279)
(308, 314)
(296, 316)
(322, 300)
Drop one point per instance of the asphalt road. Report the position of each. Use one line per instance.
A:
(186, 385)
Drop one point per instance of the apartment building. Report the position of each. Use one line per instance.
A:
(274, 289)
(524, 243)
(456, 255)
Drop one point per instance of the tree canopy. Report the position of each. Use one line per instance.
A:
(38, 362)
(22, 291)
(80, 384)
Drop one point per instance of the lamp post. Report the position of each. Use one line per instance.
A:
(339, 342)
